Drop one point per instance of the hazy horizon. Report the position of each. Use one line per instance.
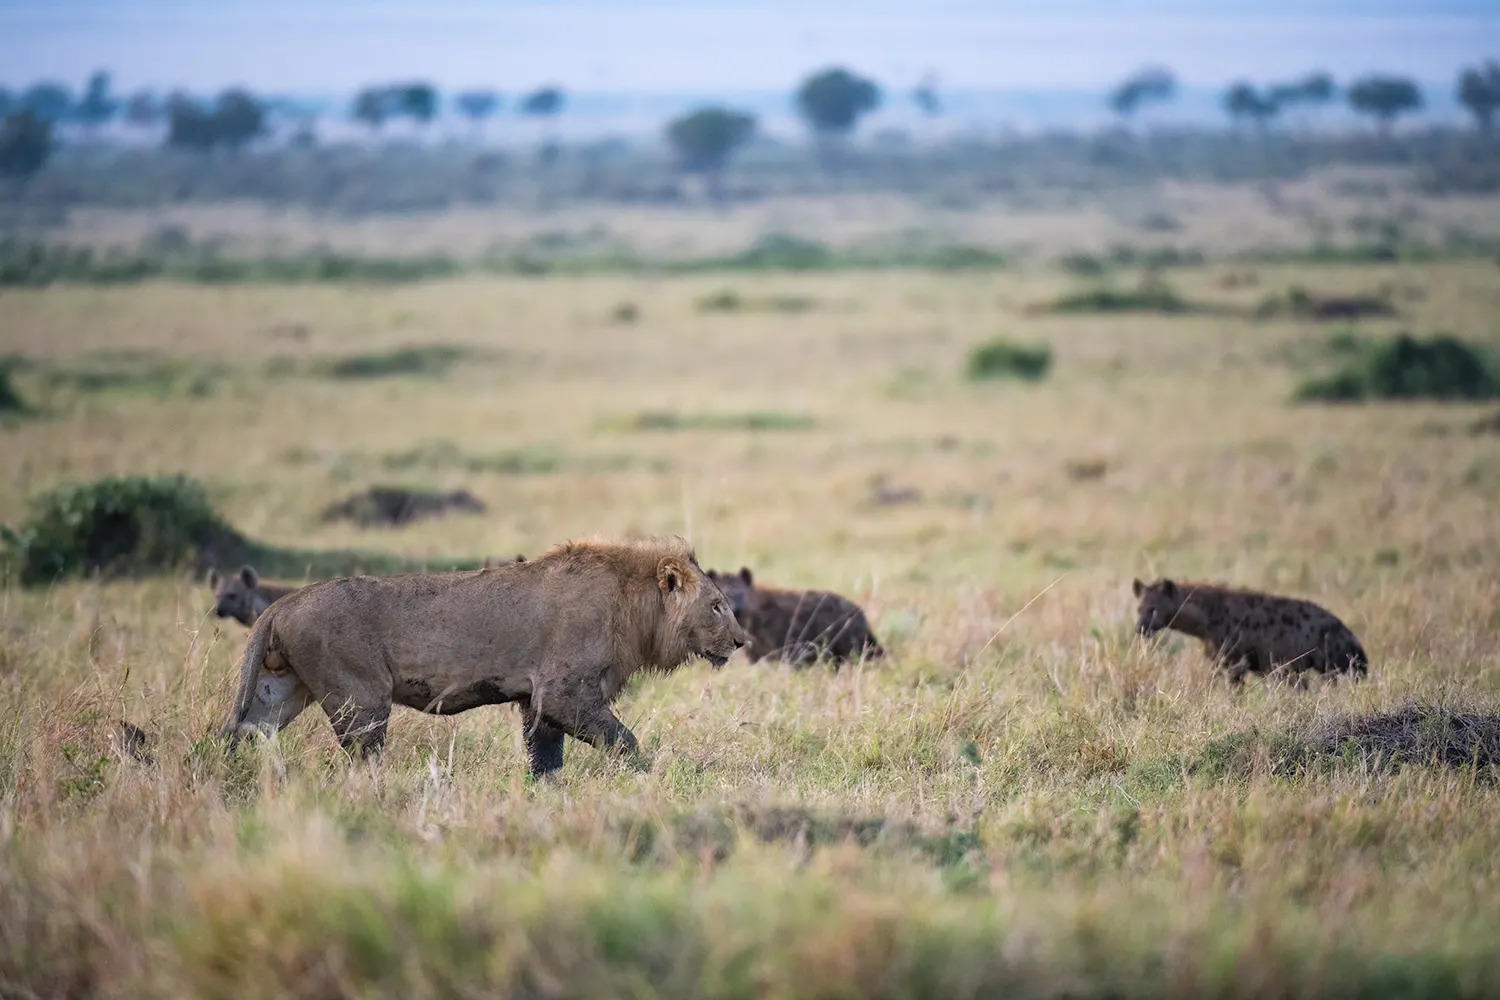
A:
(645, 47)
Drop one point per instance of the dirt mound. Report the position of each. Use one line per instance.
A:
(1413, 734)
(392, 506)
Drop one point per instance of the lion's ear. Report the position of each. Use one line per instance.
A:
(672, 575)
(520, 557)
(213, 579)
(1138, 587)
(250, 577)
(745, 575)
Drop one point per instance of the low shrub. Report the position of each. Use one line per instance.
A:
(724, 300)
(1003, 359)
(10, 399)
(121, 525)
(1406, 367)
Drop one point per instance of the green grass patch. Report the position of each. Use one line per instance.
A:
(428, 361)
(754, 420)
(997, 359)
(727, 300)
(438, 455)
(127, 372)
(1153, 296)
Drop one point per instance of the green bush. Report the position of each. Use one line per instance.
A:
(1003, 359)
(118, 525)
(1406, 367)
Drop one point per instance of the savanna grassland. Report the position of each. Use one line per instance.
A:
(1024, 799)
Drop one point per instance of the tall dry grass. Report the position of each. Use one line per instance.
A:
(1024, 799)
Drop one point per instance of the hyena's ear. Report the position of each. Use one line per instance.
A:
(1169, 589)
(672, 575)
(250, 577)
(1138, 587)
(745, 575)
(213, 579)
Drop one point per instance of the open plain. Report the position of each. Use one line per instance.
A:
(1023, 798)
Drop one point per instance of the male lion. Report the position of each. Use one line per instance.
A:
(559, 635)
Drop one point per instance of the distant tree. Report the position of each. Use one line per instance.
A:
(544, 102)
(25, 144)
(477, 105)
(705, 140)
(1243, 101)
(1479, 92)
(143, 109)
(1312, 90)
(7, 102)
(238, 118)
(418, 101)
(235, 119)
(833, 100)
(190, 126)
(373, 107)
(1384, 98)
(925, 95)
(1151, 84)
(98, 105)
(48, 101)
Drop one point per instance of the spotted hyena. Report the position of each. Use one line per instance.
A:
(243, 595)
(797, 626)
(1251, 632)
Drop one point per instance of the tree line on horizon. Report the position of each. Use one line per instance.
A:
(831, 102)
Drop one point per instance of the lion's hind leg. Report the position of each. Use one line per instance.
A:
(279, 698)
(360, 728)
(544, 742)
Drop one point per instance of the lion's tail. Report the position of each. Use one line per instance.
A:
(255, 656)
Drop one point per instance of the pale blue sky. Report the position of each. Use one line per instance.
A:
(665, 47)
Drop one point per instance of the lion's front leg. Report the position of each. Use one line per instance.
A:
(590, 720)
(597, 726)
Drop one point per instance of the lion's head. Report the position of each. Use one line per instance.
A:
(236, 596)
(698, 619)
